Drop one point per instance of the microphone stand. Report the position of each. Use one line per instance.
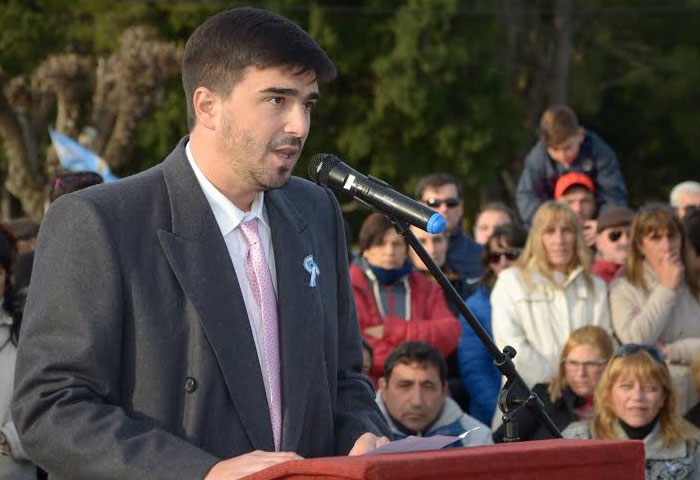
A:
(515, 394)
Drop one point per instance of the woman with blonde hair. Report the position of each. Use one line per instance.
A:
(656, 300)
(549, 293)
(568, 397)
(636, 400)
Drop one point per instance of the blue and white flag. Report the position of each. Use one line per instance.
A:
(77, 158)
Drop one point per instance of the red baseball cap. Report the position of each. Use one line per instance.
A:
(569, 180)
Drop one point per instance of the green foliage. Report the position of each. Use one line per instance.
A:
(27, 33)
(159, 134)
(635, 80)
(438, 101)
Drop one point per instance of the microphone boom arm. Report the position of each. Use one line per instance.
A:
(515, 393)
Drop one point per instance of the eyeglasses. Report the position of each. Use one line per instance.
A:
(615, 235)
(632, 348)
(587, 366)
(511, 255)
(435, 203)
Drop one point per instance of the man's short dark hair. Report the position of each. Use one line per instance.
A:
(226, 44)
(417, 352)
(437, 180)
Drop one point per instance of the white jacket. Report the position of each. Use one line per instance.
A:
(537, 318)
(669, 316)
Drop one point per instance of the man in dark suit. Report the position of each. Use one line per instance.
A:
(145, 352)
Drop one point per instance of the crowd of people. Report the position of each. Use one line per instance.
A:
(579, 273)
(600, 300)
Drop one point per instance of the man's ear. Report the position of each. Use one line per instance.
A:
(206, 107)
(382, 383)
(581, 134)
(445, 388)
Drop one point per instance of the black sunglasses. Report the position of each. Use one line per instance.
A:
(615, 235)
(510, 255)
(632, 348)
(435, 203)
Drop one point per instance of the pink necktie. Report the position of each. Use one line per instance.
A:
(261, 284)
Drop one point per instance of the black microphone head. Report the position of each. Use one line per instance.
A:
(319, 167)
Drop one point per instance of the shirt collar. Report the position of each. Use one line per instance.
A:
(228, 216)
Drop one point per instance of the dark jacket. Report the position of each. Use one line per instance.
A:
(530, 427)
(595, 158)
(464, 255)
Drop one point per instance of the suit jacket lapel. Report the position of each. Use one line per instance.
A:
(299, 308)
(200, 260)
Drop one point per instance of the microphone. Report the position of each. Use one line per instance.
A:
(328, 170)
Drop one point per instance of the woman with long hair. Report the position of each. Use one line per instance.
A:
(549, 293)
(568, 397)
(636, 400)
(479, 375)
(656, 300)
(395, 303)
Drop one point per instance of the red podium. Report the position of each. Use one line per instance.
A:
(541, 460)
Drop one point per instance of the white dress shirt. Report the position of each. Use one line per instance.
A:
(229, 217)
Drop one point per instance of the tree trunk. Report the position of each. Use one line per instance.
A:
(563, 28)
(19, 182)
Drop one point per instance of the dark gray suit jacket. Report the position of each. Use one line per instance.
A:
(136, 358)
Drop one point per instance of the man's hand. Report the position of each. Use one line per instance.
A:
(670, 271)
(248, 464)
(368, 441)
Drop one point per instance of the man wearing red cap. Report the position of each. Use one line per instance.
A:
(577, 191)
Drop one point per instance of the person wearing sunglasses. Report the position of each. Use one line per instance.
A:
(549, 293)
(612, 241)
(445, 195)
(656, 300)
(394, 302)
(636, 400)
(568, 397)
(479, 376)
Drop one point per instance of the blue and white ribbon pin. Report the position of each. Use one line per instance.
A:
(311, 267)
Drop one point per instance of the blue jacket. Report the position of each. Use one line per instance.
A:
(480, 376)
(464, 255)
(595, 158)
